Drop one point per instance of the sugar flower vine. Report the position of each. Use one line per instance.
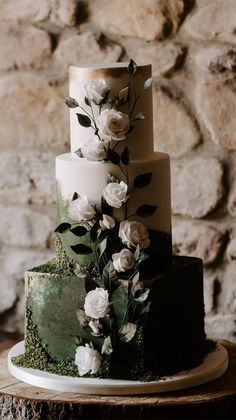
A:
(116, 305)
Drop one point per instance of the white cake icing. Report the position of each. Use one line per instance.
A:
(89, 178)
(117, 77)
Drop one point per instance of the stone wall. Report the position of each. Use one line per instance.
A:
(192, 45)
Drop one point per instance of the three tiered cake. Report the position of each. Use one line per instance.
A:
(114, 303)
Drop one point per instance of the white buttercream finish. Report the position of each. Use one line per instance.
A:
(140, 140)
(89, 178)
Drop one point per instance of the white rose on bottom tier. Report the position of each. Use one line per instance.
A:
(87, 360)
(115, 194)
(81, 209)
(123, 260)
(94, 149)
(112, 125)
(133, 234)
(96, 90)
(97, 303)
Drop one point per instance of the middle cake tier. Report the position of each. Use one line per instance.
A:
(149, 189)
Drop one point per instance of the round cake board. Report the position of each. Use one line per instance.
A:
(214, 365)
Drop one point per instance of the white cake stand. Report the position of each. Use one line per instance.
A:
(214, 365)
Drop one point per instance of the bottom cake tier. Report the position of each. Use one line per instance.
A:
(171, 339)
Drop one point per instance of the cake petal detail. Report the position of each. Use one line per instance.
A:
(87, 360)
(123, 260)
(81, 209)
(112, 125)
(96, 303)
(134, 233)
(115, 194)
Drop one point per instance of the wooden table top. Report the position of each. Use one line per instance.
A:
(216, 399)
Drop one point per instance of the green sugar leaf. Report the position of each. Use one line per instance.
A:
(146, 210)
(63, 227)
(81, 249)
(148, 83)
(142, 180)
(125, 156)
(84, 120)
(139, 117)
(71, 102)
(79, 231)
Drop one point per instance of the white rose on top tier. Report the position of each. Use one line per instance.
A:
(134, 233)
(96, 90)
(96, 303)
(115, 194)
(94, 149)
(81, 209)
(123, 260)
(112, 125)
(87, 360)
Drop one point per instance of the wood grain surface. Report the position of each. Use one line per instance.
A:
(20, 401)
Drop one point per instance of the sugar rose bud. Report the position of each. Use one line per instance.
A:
(112, 125)
(115, 194)
(123, 260)
(107, 222)
(87, 360)
(133, 234)
(81, 209)
(96, 303)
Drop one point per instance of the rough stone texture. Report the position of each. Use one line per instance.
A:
(23, 47)
(41, 120)
(217, 115)
(174, 130)
(196, 187)
(8, 292)
(80, 49)
(24, 227)
(231, 249)
(221, 326)
(149, 20)
(164, 58)
(214, 21)
(60, 12)
(197, 240)
(228, 287)
(209, 287)
(27, 177)
(232, 200)
(215, 62)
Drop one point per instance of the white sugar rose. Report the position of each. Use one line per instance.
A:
(107, 222)
(94, 149)
(87, 360)
(96, 90)
(80, 271)
(96, 303)
(112, 125)
(115, 194)
(133, 234)
(81, 209)
(123, 260)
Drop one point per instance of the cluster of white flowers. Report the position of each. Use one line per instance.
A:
(97, 303)
(81, 209)
(115, 194)
(96, 90)
(87, 360)
(112, 125)
(134, 233)
(94, 149)
(123, 260)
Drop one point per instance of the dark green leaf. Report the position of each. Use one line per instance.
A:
(105, 208)
(113, 157)
(81, 249)
(125, 156)
(71, 102)
(75, 196)
(132, 67)
(93, 232)
(63, 227)
(87, 101)
(120, 303)
(146, 210)
(147, 83)
(84, 120)
(139, 117)
(142, 180)
(79, 231)
(79, 153)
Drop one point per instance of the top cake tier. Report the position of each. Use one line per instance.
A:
(102, 90)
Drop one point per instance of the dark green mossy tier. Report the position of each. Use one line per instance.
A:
(173, 338)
